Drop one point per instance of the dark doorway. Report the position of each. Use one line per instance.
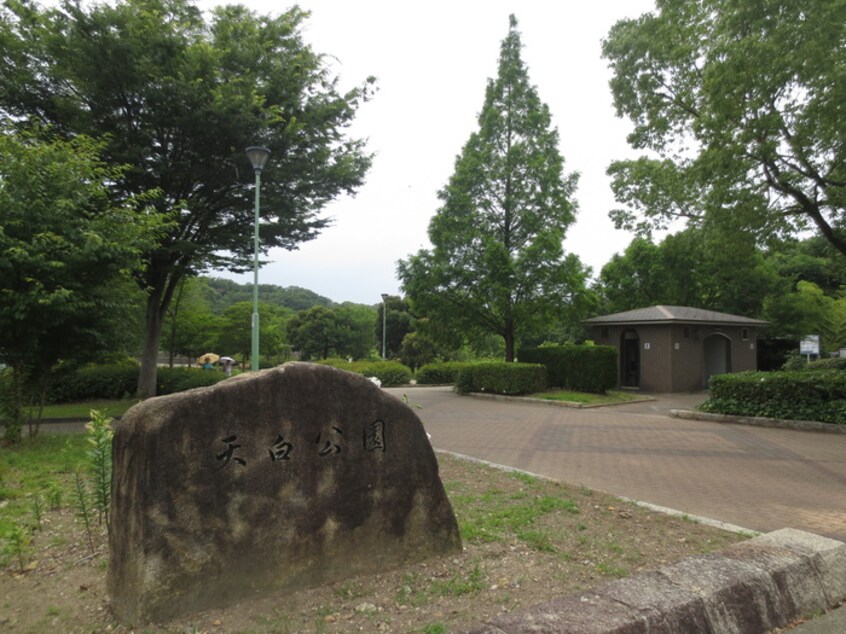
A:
(717, 355)
(630, 359)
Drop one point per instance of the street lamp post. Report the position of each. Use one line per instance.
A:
(258, 156)
(384, 322)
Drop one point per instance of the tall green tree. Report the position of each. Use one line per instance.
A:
(356, 330)
(740, 107)
(65, 259)
(190, 327)
(393, 325)
(704, 267)
(315, 332)
(344, 331)
(177, 101)
(235, 332)
(498, 264)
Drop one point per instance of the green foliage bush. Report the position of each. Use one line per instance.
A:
(440, 373)
(799, 395)
(119, 381)
(502, 378)
(800, 363)
(580, 368)
(173, 380)
(390, 373)
(94, 382)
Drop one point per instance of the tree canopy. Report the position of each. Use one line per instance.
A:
(177, 102)
(498, 264)
(65, 258)
(344, 331)
(699, 267)
(740, 106)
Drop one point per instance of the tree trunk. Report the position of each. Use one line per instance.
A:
(152, 337)
(509, 342)
(13, 429)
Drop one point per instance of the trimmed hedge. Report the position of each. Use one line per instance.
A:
(799, 363)
(440, 373)
(580, 368)
(390, 373)
(94, 382)
(817, 396)
(501, 378)
(121, 381)
(173, 380)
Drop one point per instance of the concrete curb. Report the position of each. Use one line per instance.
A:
(758, 421)
(543, 401)
(750, 587)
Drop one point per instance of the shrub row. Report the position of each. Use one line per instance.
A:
(390, 373)
(121, 381)
(818, 396)
(799, 362)
(501, 378)
(440, 373)
(94, 382)
(579, 368)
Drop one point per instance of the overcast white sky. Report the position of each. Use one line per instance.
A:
(432, 61)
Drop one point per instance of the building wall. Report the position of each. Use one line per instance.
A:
(672, 356)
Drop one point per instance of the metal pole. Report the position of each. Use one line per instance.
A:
(254, 354)
(384, 323)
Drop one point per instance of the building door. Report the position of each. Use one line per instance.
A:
(717, 355)
(630, 359)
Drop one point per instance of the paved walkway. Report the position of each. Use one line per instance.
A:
(758, 478)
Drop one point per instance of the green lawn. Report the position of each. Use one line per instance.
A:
(81, 410)
(586, 398)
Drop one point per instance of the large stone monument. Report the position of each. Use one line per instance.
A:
(281, 479)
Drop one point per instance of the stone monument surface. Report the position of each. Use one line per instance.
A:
(266, 482)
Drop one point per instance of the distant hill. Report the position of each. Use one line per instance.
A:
(223, 293)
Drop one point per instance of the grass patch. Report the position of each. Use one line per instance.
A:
(497, 514)
(39, 468)
(586, 398)
(526, 540)
(82, 410)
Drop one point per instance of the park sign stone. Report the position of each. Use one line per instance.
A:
(268, 482)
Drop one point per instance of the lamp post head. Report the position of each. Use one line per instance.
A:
(258, 155)
(385, 297)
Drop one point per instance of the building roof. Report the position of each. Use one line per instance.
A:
(673, 314)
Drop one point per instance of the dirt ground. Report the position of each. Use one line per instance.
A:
(526, 540)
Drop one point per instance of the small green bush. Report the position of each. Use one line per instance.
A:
(502, 378)
(389, 373)
(834, 363)
(173, 380)
(800, 363)
(94, 382)
(579, 368)
(799, 395)
(118, 381)
(440, 373)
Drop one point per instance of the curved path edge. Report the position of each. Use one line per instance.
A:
(759, 421)
(753, 587)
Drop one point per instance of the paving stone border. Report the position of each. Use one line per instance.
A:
(760, 421)
(544, 401)
(750, 587)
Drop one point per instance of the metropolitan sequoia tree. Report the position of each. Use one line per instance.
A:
(177, 97)
(741, 107)
(497, 265)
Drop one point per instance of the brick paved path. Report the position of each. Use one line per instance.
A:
(759, 478)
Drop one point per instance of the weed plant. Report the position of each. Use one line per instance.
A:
(99, 435)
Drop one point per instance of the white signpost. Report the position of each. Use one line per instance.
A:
(810, 345)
